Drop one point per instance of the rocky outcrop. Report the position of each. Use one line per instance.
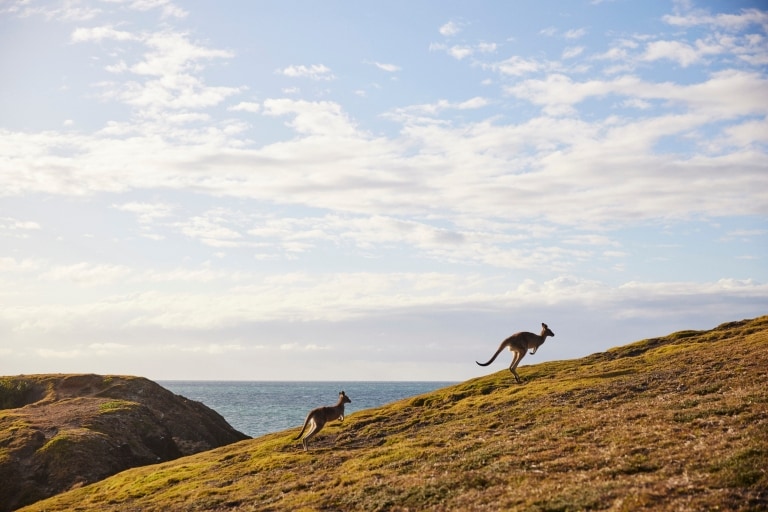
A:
(58, 432)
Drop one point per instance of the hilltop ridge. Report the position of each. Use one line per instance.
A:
(678, 422)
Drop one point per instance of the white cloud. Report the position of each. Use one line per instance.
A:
(576, 33)
(169, 9)
(725, 43)
(746, 233)
(517, 66)
(87, 274)
(212, 348)
(322, 117)
(620, 51)
(749, 133)
(171, 54)
(726, 93)
(732, 22)
(313, 72)
(12, 265)
(389, 68)
(473, 103)
(339, 297)
(10, 226)
(47, 353)
(439, 106)
(201, 275)
(450, 29)
(462, 169)
(107, 348)
(548, 31)
(591, 240)
(246, 106)
(680, 52)
(166, 7)
(211, 229)
(486, 47)
(636, 103)
(460, 52)
(147, 213)
(64, 11)
(572, 52)
(166, 73)
(297, 347)
(98, 34)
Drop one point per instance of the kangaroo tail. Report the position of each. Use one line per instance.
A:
(306, 422)
(501, 347)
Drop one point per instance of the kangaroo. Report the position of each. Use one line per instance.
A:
(322, 415)
(519, 343)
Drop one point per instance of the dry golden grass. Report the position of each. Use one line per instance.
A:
(674, 423)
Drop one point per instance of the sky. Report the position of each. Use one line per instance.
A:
(339, 190)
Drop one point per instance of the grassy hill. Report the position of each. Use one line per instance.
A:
(672, 423)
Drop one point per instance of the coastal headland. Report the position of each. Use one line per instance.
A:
(59, 432)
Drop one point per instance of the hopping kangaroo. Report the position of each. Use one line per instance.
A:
(518, 344)
(322, 415)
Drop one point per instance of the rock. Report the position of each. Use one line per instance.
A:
(58, 432)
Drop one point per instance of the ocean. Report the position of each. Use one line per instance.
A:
(257, 408)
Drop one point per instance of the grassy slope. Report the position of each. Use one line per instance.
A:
(672, 423)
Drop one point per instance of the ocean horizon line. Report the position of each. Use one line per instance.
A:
(331, 381)
(257, 407)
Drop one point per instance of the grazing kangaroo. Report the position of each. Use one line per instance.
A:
(322, 415)
(519, 343)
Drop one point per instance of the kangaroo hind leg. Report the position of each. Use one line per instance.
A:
(515, 361)
(312, 428)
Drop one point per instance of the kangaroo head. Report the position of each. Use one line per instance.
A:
(545, 331)
(343, 398)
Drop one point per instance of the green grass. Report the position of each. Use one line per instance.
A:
(672, 423)
(113, 406)
(744, 468)
(14, 392)
(65, 443)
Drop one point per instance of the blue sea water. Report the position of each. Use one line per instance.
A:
(257, 408)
